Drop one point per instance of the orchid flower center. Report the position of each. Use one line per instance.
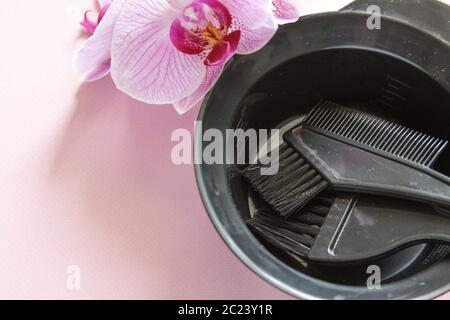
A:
(203, 28)
(212, 34)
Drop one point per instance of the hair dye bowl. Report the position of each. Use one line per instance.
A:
(400, 72)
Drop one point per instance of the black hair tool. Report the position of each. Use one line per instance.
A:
(351, 228)
(351, 151)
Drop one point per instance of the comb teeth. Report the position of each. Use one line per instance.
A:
(376, 133)
(292, 187)
(296, 235)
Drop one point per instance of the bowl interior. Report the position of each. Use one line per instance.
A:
(373, 81)
(398, 73)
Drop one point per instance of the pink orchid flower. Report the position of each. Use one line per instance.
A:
(287, 11)
(173, 51)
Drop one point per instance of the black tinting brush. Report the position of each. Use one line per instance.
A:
(351, 151)
(295, 184)
(351, 228)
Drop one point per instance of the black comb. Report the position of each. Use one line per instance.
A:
(374, 134)
(349, 228)
(352, 151)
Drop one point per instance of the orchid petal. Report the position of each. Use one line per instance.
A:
(210, 79)
(103, 3)
(223, 51)
(287, 11)
(99, 72)
(88, 25)
(94, 56)
(102, 12)
(218, 55)
(249, 13)
(179, 4)
(145, 63)
(185, 41)
(253, 40)
(222, 13)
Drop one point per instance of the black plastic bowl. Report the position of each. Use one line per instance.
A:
(331, 56)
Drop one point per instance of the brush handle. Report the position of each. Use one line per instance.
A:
(366, 227)
(350, 169)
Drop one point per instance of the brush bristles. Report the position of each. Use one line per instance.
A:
(296, 235)
(284, 240)
(270, 218)
(376, 133)
(316, 211)
(292, 187)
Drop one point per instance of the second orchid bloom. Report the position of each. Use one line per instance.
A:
(173, 51)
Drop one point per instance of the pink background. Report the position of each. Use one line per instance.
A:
(86, 179)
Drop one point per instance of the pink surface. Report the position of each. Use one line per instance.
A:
(86, 179)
